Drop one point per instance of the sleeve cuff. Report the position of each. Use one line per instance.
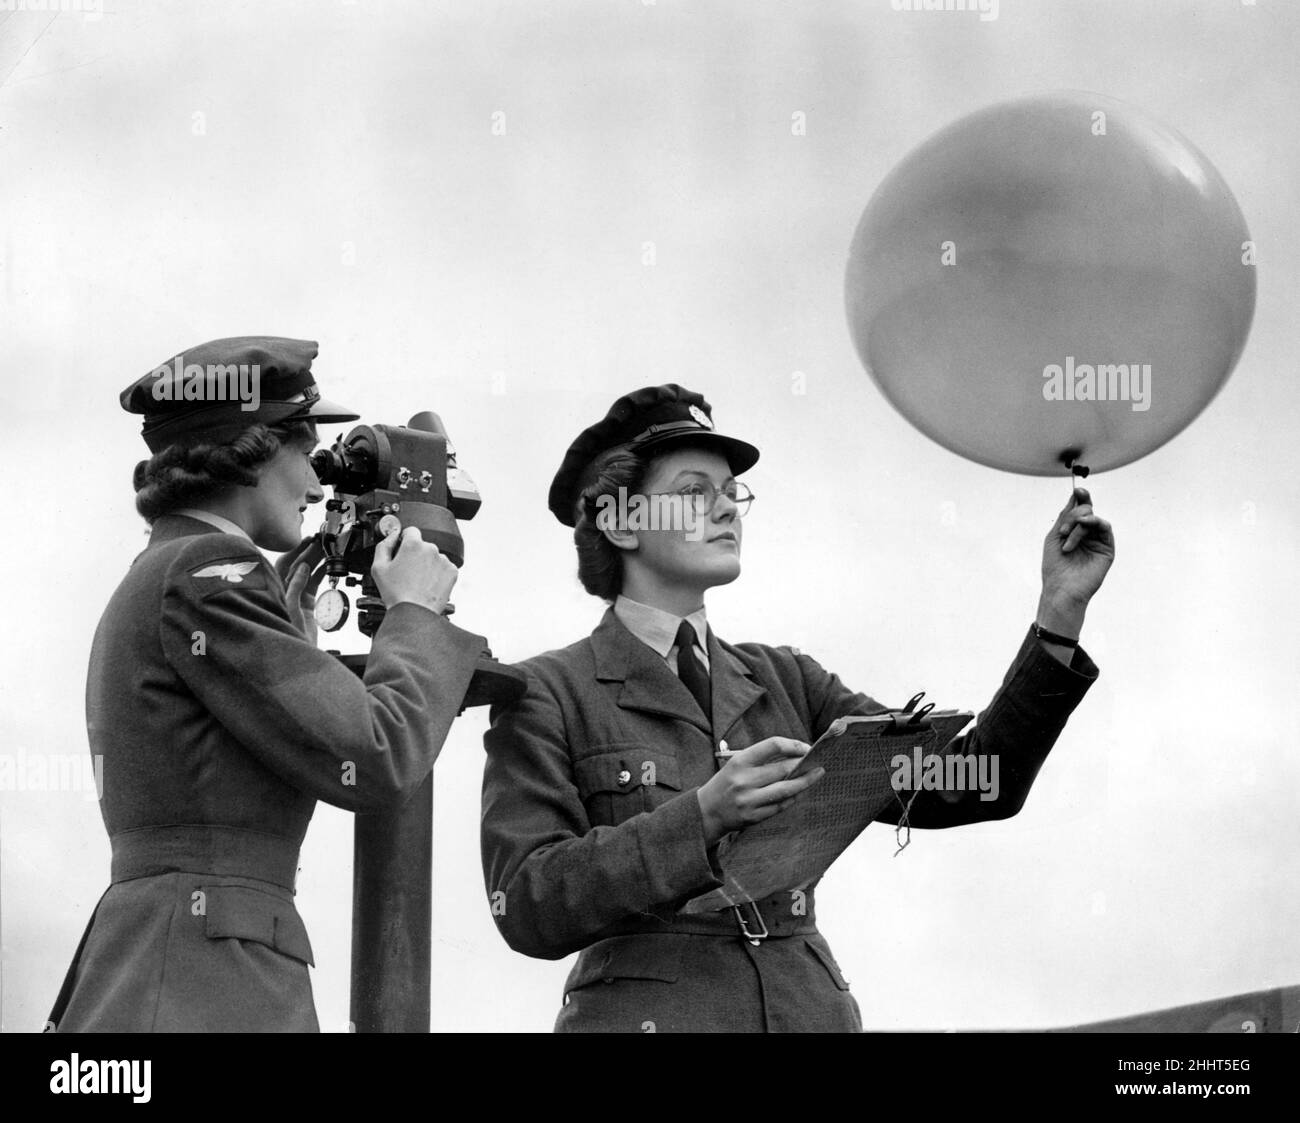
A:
(673, 852)
(1046, 676)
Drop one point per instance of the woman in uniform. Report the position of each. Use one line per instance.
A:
(603, 797)
(218, 721)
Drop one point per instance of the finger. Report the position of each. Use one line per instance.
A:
(410, 535)
(1069, 518)
(1078, 497)
(1069, 531)
(773, 772)
(775, 761)
(297, 583)
(786, 792)
(785, 789)
(1103, 533)
(316, 578)
(384, 547)
(758, 814)
(766, 812)
(1089, 526)
(798, 798)
(309, 553)
(286, 561)
(313, 553)
(776, 748)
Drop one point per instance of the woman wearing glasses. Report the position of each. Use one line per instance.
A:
(604, 798)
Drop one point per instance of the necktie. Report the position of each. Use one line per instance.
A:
(691, 671)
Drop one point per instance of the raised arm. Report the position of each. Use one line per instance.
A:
(356, 743)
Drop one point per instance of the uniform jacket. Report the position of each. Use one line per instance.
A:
(580, 853)
(220, 725)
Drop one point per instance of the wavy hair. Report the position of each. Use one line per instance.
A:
(600, 562)
(188, 472)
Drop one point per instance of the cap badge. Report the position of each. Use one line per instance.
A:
(700, 416)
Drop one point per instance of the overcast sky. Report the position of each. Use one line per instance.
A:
(643, 212)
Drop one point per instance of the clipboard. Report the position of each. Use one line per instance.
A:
(796, 846)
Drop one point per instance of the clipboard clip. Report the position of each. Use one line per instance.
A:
(909, 719)
(754, 937)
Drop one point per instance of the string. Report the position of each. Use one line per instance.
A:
(1070, 459)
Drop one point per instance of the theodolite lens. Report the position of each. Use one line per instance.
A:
(348, 466)
(328, 465)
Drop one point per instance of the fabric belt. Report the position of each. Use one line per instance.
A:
(771, 918)
(220, 851)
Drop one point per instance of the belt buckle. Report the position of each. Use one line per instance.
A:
(754, 937)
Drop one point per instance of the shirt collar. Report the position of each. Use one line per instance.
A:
(656, 628)
(219, 521)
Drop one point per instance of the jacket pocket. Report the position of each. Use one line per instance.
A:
(822, 953)
(242, 913)
(655, 958)
(619, 783)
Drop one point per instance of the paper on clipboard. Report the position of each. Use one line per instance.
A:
(795, 847)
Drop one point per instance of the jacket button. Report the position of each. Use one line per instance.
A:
(624, 777)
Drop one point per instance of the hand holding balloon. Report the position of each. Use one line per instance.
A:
(1077, 554)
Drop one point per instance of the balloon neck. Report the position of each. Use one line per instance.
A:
(1068, 458)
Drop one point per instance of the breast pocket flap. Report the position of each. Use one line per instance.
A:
(627, 769)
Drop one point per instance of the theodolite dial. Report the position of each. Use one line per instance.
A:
(331, 610)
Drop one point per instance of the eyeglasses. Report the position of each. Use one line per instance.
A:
(705, 497)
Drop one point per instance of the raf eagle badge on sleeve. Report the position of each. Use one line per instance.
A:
(234, 572)
(241, 573)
